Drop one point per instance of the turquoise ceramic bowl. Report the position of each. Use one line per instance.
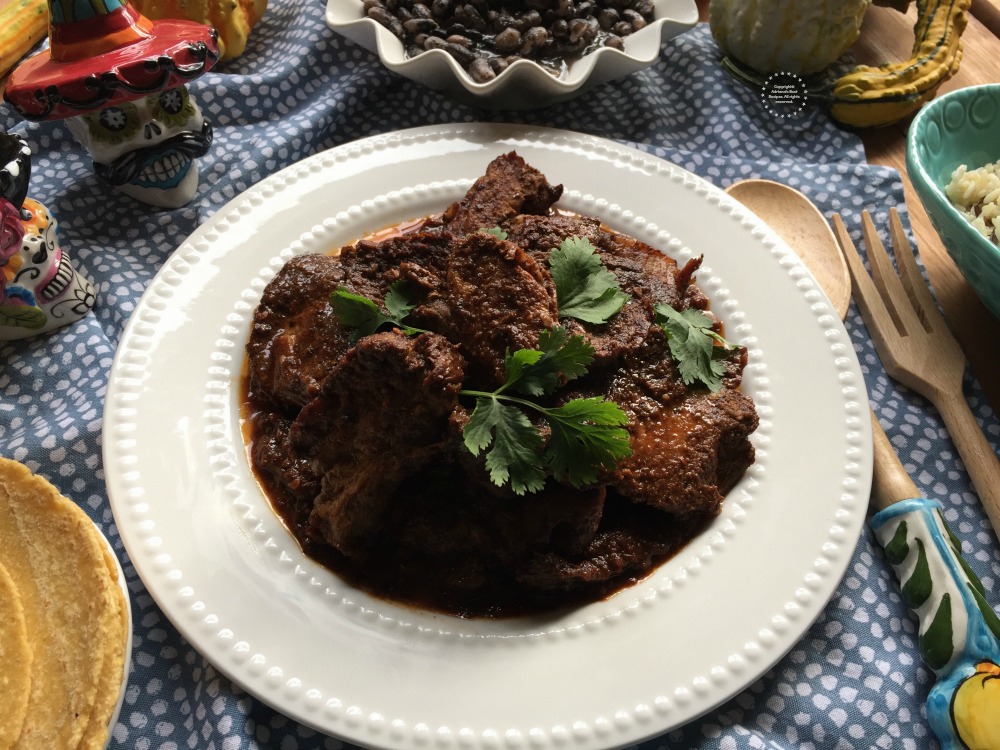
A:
(960, 127)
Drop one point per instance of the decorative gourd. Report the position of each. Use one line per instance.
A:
(878, 95)
(786, 36)
(23, 23)
(233, 19)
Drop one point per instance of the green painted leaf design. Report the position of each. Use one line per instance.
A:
(22, 316)
(897, 549)
(956, 547)
(956, 544)
(917, 588)
(937, 642)
(992, 621)
(975, 585)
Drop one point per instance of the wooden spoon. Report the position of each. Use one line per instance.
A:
(959, 633)
(796, 220)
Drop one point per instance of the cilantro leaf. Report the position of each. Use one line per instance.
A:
(496, 232)
(516, 367)
(364, 316)
(396, 302)
(516, 455)
(692, 345)
(357, 312)
(559, 357)
(587, 433)
(585, 289)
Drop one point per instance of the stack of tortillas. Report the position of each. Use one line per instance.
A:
(63, 620)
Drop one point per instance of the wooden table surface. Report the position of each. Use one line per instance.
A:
(887, 34)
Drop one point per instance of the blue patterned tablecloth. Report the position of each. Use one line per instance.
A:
(855, 680)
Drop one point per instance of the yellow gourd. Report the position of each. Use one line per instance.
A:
(878, 95)
(233, 19)
(23, 23)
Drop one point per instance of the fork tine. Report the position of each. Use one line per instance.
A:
(887, 281)
(873, 309)
(913, 281)
(881, 269)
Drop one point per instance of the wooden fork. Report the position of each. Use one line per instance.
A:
(916, 347)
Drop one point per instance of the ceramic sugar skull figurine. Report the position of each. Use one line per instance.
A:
(148, 148)
(120, 80)
(40, 290)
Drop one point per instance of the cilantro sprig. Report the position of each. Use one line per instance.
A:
(587, 434)
(364, 316)
(693, 345)
(585, 289)
(496, 232)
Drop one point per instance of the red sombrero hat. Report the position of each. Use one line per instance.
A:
(105, 52)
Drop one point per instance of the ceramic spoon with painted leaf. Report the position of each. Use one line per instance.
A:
(959, 632)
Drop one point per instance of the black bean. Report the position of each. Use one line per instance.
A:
(481, 71)
(417, 26)
(504, 20)
(566, 9)
(463, 56)
(468, 15)
(530, 19)
(608, 17)
(635, 19)
(581, 29)
(534, 38)
(384, 17)
(507, 40)
(644, 8)
(422, 11)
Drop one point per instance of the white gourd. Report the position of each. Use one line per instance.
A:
(786, 36)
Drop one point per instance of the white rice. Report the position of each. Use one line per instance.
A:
(976, 193)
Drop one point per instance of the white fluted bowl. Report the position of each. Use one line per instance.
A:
(524, 84)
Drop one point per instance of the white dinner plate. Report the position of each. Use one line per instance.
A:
(693, 633)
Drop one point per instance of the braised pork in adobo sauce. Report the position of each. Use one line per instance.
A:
(358, 442)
